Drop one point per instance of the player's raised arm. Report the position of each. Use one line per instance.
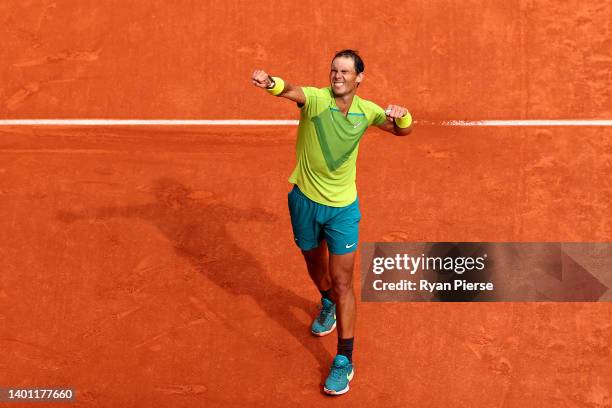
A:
(278, 87)
(399, 121)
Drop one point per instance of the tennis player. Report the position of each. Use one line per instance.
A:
(323, 203)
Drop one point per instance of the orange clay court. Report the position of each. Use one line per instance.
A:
(153, 266)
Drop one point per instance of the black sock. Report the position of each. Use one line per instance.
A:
(326, 294)
(345, 347)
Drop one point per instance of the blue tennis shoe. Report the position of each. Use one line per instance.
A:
(325, 322)
(340, 374)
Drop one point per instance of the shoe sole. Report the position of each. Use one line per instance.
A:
(325, 333)
(343, 391)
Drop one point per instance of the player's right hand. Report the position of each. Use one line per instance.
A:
(261, 79)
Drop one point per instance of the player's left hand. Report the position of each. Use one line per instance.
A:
(395, 112)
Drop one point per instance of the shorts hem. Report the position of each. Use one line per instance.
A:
(343, 251)
(311, 247)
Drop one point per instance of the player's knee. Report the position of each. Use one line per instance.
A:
(342, 288)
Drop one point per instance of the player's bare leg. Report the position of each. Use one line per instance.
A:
(341, 274)
(342, 370)
(317, 264)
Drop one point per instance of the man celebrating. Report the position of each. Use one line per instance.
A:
(323, 203)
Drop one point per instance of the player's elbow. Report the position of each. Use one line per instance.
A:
(293, 93)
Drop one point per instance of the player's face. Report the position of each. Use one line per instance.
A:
(343, 77)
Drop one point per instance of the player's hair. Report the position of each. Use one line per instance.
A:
(359, 66)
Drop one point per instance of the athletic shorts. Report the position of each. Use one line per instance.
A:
(313, 222)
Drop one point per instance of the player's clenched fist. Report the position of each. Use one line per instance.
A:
(261, 79)
(395, 112)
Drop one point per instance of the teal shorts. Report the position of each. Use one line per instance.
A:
(313, 222)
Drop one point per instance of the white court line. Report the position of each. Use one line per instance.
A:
(533, 122)
(146, 122)
(274, 122)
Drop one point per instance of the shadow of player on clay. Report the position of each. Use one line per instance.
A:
(198, 232)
